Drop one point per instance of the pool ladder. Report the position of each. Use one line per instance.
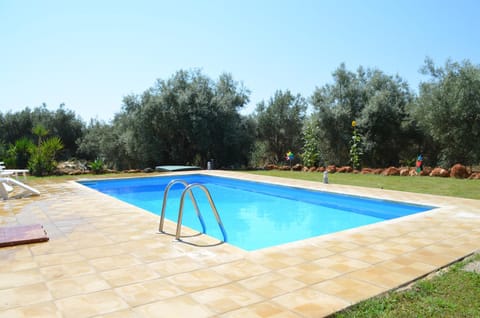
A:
(188, 189)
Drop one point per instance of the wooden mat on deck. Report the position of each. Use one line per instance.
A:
(22, 234)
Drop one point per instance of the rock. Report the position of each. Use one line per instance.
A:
(132, 171)
(475, 175)
(270, 167)
(405, 171)
(366, 171)
(320, 169)
(377, 171)
(345, 169)
(297, 167)
(412, 172)
(312, 169)
(426, 171)
(71, 167)
(391, 171)
(439, 172)
(332, 169)
(459, 171)
(148, 170)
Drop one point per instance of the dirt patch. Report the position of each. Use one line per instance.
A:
(472, 267)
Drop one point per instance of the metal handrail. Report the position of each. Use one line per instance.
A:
(212, 205)
(164, 205)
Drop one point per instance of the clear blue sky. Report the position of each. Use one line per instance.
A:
(90, 54)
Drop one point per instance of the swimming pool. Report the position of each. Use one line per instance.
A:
(256, 215)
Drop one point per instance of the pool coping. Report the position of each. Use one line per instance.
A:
(139, 272)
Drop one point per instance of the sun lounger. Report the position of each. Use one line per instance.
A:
(13, 172)
(6, 183)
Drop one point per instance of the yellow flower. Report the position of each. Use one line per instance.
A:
(354, 123)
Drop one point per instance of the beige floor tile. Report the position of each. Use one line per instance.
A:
(42, 310)
(309, 273)
(307, 253)
(68, 287)
(129, 313)
(129, 275)
(113, 262)
(380, 276)
(153, 255)
(24, 296)
(58, 258)
(341, 263)
(350, 290)
(336, 246)
(20, 278)
(174, 266)
(100, 251)
(393, 248)
(368, 255)
(20, 252)
(271, 284)
(183, 306)
(428, 256)
(147, 292)
(90, 304)
(408, 266)
(226, 298)
(240, 269)
(60, 245)
(277, 259)
(311, 303)
(261, 310)
(67, 270)
(15, 265)
(105, 258)
(197, 280)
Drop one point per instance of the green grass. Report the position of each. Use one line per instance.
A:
(463, 188)
(453, 293)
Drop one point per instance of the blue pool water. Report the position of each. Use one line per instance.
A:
(256, 215)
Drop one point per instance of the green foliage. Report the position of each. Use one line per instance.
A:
(259, 156)
(42, 156)
(192, 118)
(187, 118)
(379, 103)
(62, 123)
(449, 111)
(97, 166)
(107, 142)
(280, 124)
(19, 153)
(355, 148)
(311, 153)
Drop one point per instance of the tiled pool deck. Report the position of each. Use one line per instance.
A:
(105, 258)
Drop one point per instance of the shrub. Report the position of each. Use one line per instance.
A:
(97, 166)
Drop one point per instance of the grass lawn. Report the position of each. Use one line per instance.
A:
(452, 293)
(463, 188)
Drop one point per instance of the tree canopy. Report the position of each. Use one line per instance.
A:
(448, 108)
(190, 118)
